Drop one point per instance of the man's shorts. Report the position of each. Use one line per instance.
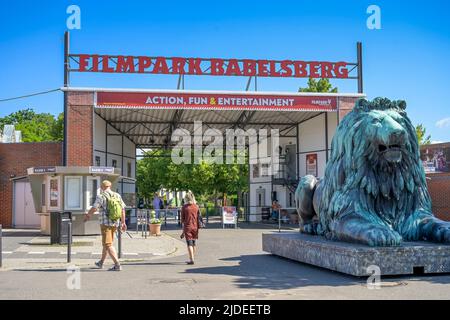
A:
(190, 243)
(107, 235)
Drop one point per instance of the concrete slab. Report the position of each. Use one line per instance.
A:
(355, 259)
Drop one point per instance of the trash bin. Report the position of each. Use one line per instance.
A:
(59, 227)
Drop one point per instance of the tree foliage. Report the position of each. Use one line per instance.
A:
(321, 85)
(421, 132)
(208, 181)
(36, 127)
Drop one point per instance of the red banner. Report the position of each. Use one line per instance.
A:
(215, 101)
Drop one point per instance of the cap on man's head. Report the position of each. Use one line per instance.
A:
(106, 183)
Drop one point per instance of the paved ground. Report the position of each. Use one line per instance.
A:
(230, 265)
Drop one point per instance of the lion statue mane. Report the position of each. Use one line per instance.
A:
(374, 190)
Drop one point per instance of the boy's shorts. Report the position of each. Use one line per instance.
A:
(107, 235)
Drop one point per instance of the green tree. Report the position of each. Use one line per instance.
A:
(321, 85)
(421, 131)
(208, 181)
(35, 127)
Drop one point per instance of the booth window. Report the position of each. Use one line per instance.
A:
(93, 185)
(129, 169)
(43, 195)
(73, 193)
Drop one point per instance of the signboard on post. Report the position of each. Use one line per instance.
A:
(229, 216)
(100, 170)
(311, 164)
(44, 169)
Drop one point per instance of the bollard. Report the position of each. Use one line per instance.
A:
(146, 223)
(143, 216)
(1, 249)
(138, 217)
(279, 220)
(119, 235)
(69, 242)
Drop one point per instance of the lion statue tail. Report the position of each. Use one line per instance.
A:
(304, 195)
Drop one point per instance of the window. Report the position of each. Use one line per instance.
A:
(93, 189)
(43, 195)
(73, 193)
(97, 161)
(114, 163)
(129, 169)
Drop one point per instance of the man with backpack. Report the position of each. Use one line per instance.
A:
(111, 208)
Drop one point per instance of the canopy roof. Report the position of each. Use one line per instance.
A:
(151, 125)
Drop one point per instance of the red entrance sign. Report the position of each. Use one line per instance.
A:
(215, 101)
(211, 66)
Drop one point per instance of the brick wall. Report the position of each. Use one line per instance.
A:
(79, 128)
(346, 105)
(15, 158)
(439, 188)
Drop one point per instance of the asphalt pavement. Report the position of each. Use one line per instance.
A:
(230, 264)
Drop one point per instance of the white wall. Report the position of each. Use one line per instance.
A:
(125, 186)
(312, 140)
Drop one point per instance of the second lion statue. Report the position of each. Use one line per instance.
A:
(374, 190)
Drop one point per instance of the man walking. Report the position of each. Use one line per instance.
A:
(157, 204)
(111, 208)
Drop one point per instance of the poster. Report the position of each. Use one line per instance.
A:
(435, 158)
(311, 164)
(229, 215)
(54, 193)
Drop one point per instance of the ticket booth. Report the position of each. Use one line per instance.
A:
(69, 189)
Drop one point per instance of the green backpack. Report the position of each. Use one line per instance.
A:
(113, 206)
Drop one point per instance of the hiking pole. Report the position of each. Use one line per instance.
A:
(120, 239)
(1, 250)
(69, 242)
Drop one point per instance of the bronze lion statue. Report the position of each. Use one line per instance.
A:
(374, 190)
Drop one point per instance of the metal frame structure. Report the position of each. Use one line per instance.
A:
(155, 132)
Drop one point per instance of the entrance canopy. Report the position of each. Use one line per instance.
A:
(149, 117)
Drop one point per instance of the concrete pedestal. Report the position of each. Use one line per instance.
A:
(354, 259)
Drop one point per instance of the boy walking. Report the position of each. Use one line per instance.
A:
(111, 208)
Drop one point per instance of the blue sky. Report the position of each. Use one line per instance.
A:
(406, 59)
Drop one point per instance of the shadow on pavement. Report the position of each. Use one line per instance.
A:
(21, 233)
(277, 273)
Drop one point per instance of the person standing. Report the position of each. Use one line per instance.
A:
(157, 205)
(108, 204)
(190, 223)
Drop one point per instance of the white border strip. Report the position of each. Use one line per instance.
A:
(228, 108)
(262, 93)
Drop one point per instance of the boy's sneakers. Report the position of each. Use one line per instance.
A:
(116, 267)
(99, 264)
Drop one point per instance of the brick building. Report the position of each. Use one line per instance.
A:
(436, 161)
(439, 188)
(15, 158)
